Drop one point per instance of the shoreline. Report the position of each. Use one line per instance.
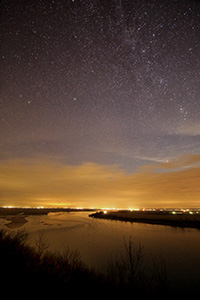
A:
(153, 218)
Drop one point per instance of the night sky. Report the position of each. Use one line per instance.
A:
(99, 103)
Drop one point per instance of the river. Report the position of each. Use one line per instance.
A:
(98, 240)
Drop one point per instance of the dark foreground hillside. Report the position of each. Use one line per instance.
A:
(34, 271)
(31, 270)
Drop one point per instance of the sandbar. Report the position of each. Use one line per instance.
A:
(17, 215)
(16, 221)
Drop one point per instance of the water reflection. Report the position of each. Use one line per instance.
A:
(97, 240)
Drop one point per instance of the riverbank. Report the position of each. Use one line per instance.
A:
(172, 218)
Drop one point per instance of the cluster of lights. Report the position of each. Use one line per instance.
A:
(170, 210)
(107, 209)
(186, 211)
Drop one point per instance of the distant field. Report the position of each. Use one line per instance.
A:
(35, 211)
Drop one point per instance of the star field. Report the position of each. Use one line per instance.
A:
(107, 82)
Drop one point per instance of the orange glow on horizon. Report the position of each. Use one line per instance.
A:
(49, 183)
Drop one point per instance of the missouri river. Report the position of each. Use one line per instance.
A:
(98, 240)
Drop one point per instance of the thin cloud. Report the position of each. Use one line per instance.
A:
(26, 182)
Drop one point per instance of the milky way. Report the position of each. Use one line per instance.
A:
(109, 82)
